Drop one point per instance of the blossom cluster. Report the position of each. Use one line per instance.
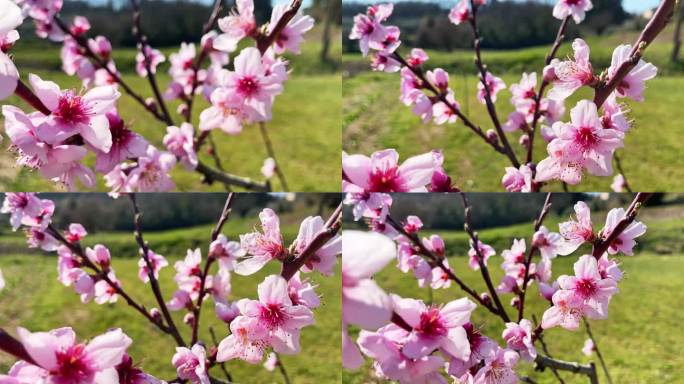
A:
(273, 322)
(68, 124)
(410, 341)
(585, 144)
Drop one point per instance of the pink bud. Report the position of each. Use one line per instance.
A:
(189, 319)
(524, 140)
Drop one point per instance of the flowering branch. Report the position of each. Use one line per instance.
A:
(264, 41)
(14, 347)
(423, 250)
(330, 229)
(147, 62)
(658, 22)
(547, 362)
(560, 36)
(480, 258)
(533, 248)
(601, 244)
(491, 109)
(144, 250)
(102, 64)
(78, 250)
(225, 213)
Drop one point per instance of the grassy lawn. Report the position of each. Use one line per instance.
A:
(305, 128)
(36, 300)
(373, 117)
(640, 340)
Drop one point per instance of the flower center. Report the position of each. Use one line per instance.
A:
(71, 109)
(385, 180)
(273, 315)
(585, 287)
(586, 137)
(431, 323)
(73, 365)
(248, 86)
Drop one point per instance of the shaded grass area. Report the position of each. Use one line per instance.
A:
(375, 119)
(34, 299)
(305, 127)
(640, 340)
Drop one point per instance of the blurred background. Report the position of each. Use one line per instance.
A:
(640, 340)
(172, 224)
(307, 152)
(517, 35)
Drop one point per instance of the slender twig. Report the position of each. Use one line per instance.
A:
(271, 153)
(560, 36)
(14, 347)
(546, 351)
(601, 244)
(264, 41)
(330, 229)
(618, 165)
(154, 284)
(484, 271)
(596, 349)
(491, 108)
(547, 362)
(197, 310)
(222, 364)
(103, 64)
(281, 368)
(103, 275)
(143, 47)
(216, 10)
(28, 96)
(212, 175)
(528, 260)
(213, 151)
(658, 22)
(443, 98)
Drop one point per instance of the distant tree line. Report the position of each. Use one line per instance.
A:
(166, 22)
(503, 24)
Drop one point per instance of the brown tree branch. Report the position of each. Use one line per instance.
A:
(601, 244)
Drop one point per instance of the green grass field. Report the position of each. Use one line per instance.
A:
(641, 340)
(35, 299)
(305, 128)
(374, 119)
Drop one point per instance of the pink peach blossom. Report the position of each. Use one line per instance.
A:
(99, 255)
(290, 37)
(156, 260)
(634, 83)
(75, 233)
(181, 143)
(191, 364)
(155, 57)
(625, 241)
(485, 250)
(236, 26)
(381, 172)
(570, 75)
(9, 76)
(105, 292)
(518, 180)
(261, 247)
(578, 231)
(364, 303)
(575, 8)
(64, 360)
(435, 327)
(226, 252)
(126, 144)
(325, 258)
(152, 172)
(460, 12)
(518, 337)
(589, 286)
(494, 85)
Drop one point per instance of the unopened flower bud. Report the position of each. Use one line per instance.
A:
(182, 109)
(156, 315)
(151, 103)
(515, 302)
(189, 319)
(525, 140)
(486, 298)
(492, 136)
